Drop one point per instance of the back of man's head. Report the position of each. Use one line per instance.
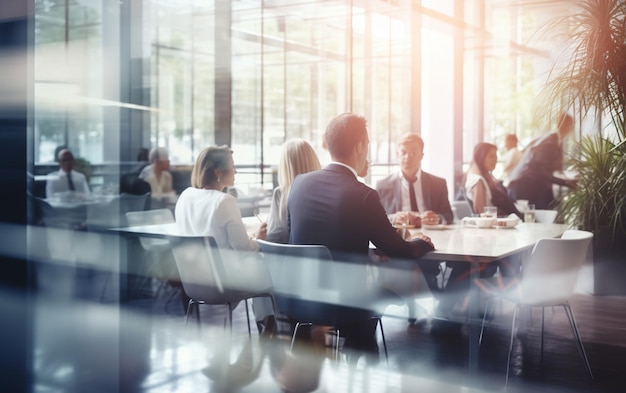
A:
(343, 133)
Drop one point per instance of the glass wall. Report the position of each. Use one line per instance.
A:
(183, 74)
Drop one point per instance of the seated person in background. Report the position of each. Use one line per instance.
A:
(205, 210)
(158, 176)
(511, 158)
(66, 180)
(333, 208)
(297, 156)
(481, 187)
(130, 183)
(412, 193)
(533, 177)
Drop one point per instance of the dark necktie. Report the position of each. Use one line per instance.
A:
(70, 182)
(412, 195)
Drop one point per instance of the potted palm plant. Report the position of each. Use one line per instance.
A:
(592, 81)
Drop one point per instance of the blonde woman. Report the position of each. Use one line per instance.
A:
(204, 210)
(297, 157)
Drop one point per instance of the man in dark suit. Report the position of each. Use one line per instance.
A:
(533, 177)
(333, 208)
(412, 196)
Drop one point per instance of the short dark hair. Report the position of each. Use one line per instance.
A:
(343, 133)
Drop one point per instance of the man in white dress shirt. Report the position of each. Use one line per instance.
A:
(412, 196)
(66, 180)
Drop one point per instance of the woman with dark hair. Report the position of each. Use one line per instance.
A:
(481, 187)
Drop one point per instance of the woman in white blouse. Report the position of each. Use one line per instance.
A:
(479, 176)
(483, 189)
(203, 209)
(297, 157)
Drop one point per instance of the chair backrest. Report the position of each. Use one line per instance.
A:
(150, 217)
(551, 272)
(112, 213)
(462, 209)
(304, 278)
(545, 216)
(312, 260)
(200, 268)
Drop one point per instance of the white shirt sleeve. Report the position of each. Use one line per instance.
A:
(229, 214)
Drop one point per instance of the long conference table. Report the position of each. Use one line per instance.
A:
(452, 243)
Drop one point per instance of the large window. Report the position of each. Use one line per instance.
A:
(113, 77)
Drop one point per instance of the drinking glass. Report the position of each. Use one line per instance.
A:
(490, 211)
(529, 213)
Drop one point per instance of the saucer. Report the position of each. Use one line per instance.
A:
(434, 227)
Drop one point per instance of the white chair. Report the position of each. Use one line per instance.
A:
(207, 280)
(545, 216)
(461, 209)
(305, 281)
(549, 279)
(154, 247)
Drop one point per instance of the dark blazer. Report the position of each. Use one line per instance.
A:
(331, 207)
(533, 177)
(434, 189)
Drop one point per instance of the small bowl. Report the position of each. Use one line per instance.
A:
(507, 222)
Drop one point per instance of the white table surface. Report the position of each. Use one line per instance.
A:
(463, 243)
(160, 230)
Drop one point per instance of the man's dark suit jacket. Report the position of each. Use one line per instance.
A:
(533, 177)
(434, 190)
(331, 207)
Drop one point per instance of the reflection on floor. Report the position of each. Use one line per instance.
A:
(84, 345)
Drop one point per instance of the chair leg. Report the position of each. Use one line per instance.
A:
(543, 317)
(379, 320)
(295, 332)
(248, 318)
(579, 342)
(482, 328)
(508, 361)
(190, 305)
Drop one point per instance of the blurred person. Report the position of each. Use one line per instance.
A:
(411, 194)
(481, 187)
(130, 183)
(333, 208)
(203, 209)
(533, 177)
(511, 158)
(158, 176)
(66, 180)
(297, 156)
